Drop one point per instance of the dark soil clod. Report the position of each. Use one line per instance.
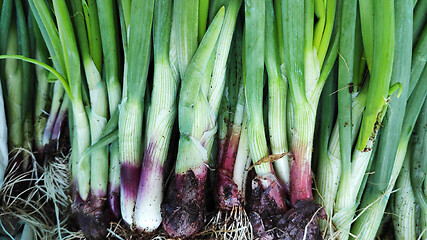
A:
(92, 217)
(301, 221)
(266, 206)
(183, 209)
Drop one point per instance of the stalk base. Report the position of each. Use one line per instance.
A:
(227, 192)
(114, 200)
(92, 217)
(301, 222)
(183, 210)
(266, 206)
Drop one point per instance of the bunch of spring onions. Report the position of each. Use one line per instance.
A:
(72, 49)
(202, 87)
(17, 80)
(26, 96)
(173, 104)
(378, 39)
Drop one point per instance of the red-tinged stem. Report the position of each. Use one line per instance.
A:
(62, 115)
(129, 177)
(228, 193)
(302, 148)
(222, 146)
(114, 181)
(114, 199)
(231, 150)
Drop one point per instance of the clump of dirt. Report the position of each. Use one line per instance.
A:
(183, 209)
(301, 222)
(266, 206)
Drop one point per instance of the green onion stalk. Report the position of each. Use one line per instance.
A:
(328, 163)
(231, 93)
(62, 45)
(43, 95)
(418, 168)
(160, 121)
(403, 204)
(376, 196)
(13, 82)
(375, 199)
(329, 168)
(132, 107)
(345, 85)
(277, 89)
(231, 219)
(354, 168)
(109, 35)
(70, 63)
(16, 78)
(233, 159)
(231, 117)
(309, 57)
(92, 217)
(27, 95)
(266, 204)
(381, 183)
(345, 205)
(184, 206)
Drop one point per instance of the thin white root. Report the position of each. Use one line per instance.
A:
(233, 224)
(43, 204)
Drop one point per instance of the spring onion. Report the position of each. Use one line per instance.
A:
(306, 69)
(88, 41)
(375, 198)
(381, 67)
(132, 106)
(229, 195)
(266, 203)
(43, 96)
(160, 120)
(184, 206)
(109, 32)
(277, 88)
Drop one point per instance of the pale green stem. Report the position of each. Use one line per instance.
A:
(404, 204)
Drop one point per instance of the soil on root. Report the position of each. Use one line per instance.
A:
(301, 222)
(183, 209)
(266, 206)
